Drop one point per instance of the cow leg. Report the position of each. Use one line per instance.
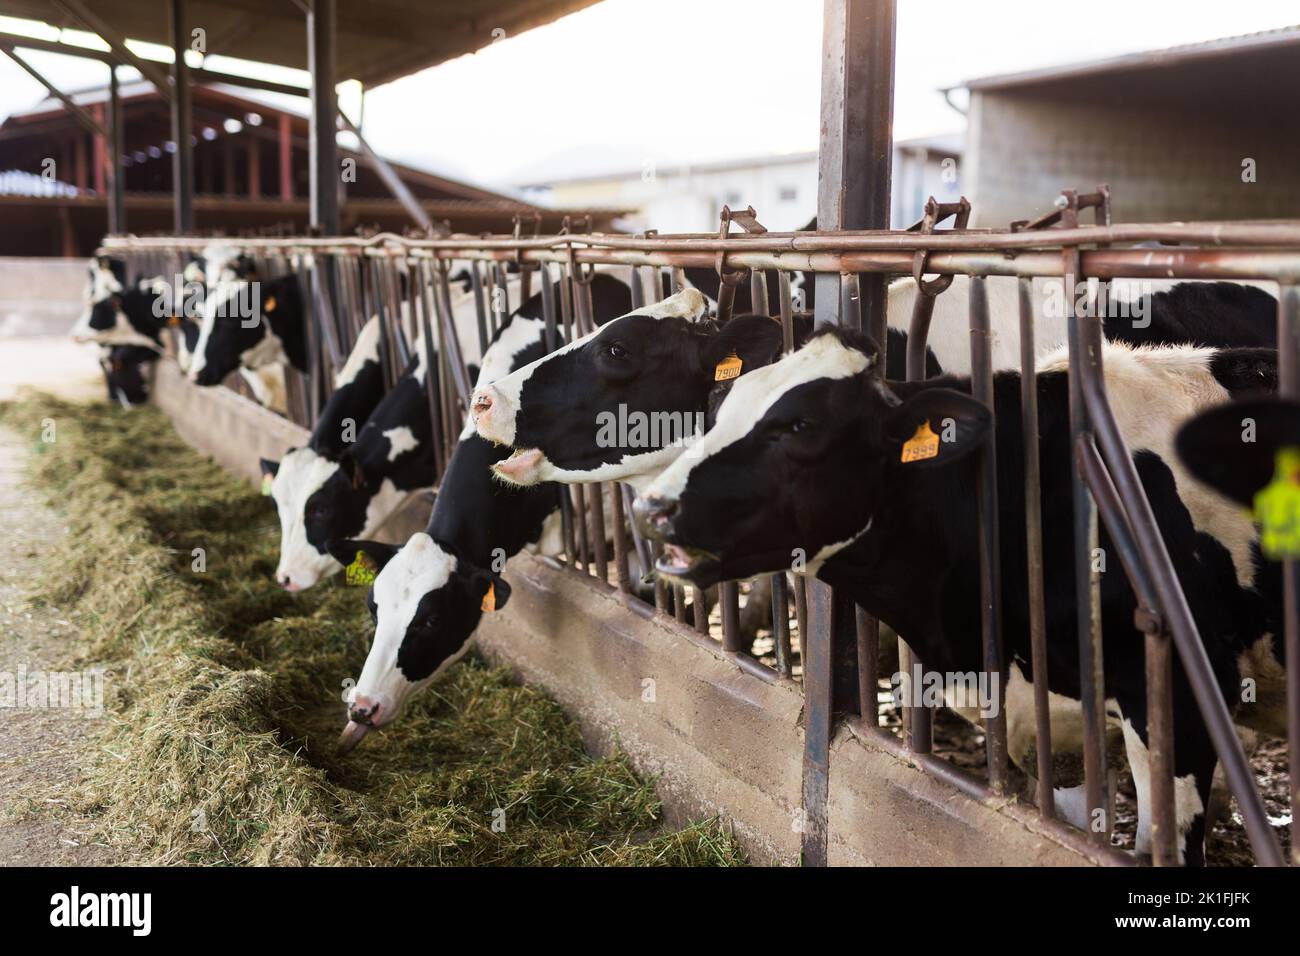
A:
(1194, 762)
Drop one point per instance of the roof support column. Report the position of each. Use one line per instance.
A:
(116, 175)
(852, 193)
(286, 159)
(324, 110)
(183, 158)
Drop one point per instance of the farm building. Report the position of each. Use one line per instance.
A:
(648, 527)
(250, 175)
(687, 198)
(1190, 132)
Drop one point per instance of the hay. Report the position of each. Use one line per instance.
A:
(224, 693)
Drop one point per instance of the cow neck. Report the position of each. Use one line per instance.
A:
(475, 514)
(917, 567)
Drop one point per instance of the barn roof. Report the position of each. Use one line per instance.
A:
(1216, 69)
(377, 40)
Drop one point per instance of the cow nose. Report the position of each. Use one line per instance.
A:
(482, 403)
(654, 515)
(363, 710)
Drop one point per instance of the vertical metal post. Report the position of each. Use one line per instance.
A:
(1087, 581)
(116, 176)
(286, 158)
(1288, 341)
(183, 158)
(1034, 549)
(324, 117)
(990, 545)
(852, 193)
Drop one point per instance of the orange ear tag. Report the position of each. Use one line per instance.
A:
(924, 444)
(490, 599)
(728, 368)
(270, 304)
(174, 321)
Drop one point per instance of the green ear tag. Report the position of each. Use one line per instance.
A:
(267, 479)
(361, 572)
(1277, 508)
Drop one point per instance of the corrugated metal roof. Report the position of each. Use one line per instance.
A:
(377, 40)
(1282, 38)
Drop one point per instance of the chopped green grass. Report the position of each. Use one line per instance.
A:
(225, 693)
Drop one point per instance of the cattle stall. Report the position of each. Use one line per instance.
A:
(820, 643)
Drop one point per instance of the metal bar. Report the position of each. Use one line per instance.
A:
(392, 182)
(1034, 550)
(781, 624)
(990, 546)
(980, 254)
(183, 158)
(619, 532)
(598, 531)
(853, 168)
(480, 309)
(117, 42)
(699, 605)
(1288, 338)
(1086, 580)
(868, 629)
(430, 364)
(450, 343)
(116, 136)
(729, 601)
(325, 181)
(82, 116)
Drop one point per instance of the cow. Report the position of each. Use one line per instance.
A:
(127, 370)
(428, 596)
(117, 312)
(392, 459)
(664, 360)
(816, 458)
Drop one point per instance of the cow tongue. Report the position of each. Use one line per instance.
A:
(350, 737)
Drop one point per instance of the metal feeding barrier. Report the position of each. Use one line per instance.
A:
(828, 645)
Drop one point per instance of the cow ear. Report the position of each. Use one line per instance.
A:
(1233, 448)
(489, 589)
(269, 468)
(352, 468)
(935, 426)
(754, 340)
(374, 553)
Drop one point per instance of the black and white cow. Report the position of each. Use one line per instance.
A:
(320, 500)
(430, 594)
(127, 371)
(662, 360)
(808, 460)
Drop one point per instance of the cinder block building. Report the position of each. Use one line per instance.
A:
(1205, 131)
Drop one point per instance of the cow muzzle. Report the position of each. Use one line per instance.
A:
(364, 715)
(494, 419)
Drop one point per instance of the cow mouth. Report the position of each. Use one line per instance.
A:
(521, 467)
(685, 564)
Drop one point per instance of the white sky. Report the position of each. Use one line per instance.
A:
(661, 75)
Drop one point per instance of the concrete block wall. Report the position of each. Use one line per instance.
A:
(1162, 164)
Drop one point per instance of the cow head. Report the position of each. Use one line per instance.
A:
(116, 313)
(622, 402)
(126, 373)
(319, 500)
(426, 603)
(1234, 448)
(793, 467)
(233, 330)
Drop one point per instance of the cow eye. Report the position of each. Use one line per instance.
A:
(799, 425)
(318, 511)
(615, 350)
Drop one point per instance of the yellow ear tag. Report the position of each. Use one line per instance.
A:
(267, 479)
(361, 572)
(269, 306)
(1277, 508)
(728, 368)
(490, 599)
(924, 444)
(174, 321)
